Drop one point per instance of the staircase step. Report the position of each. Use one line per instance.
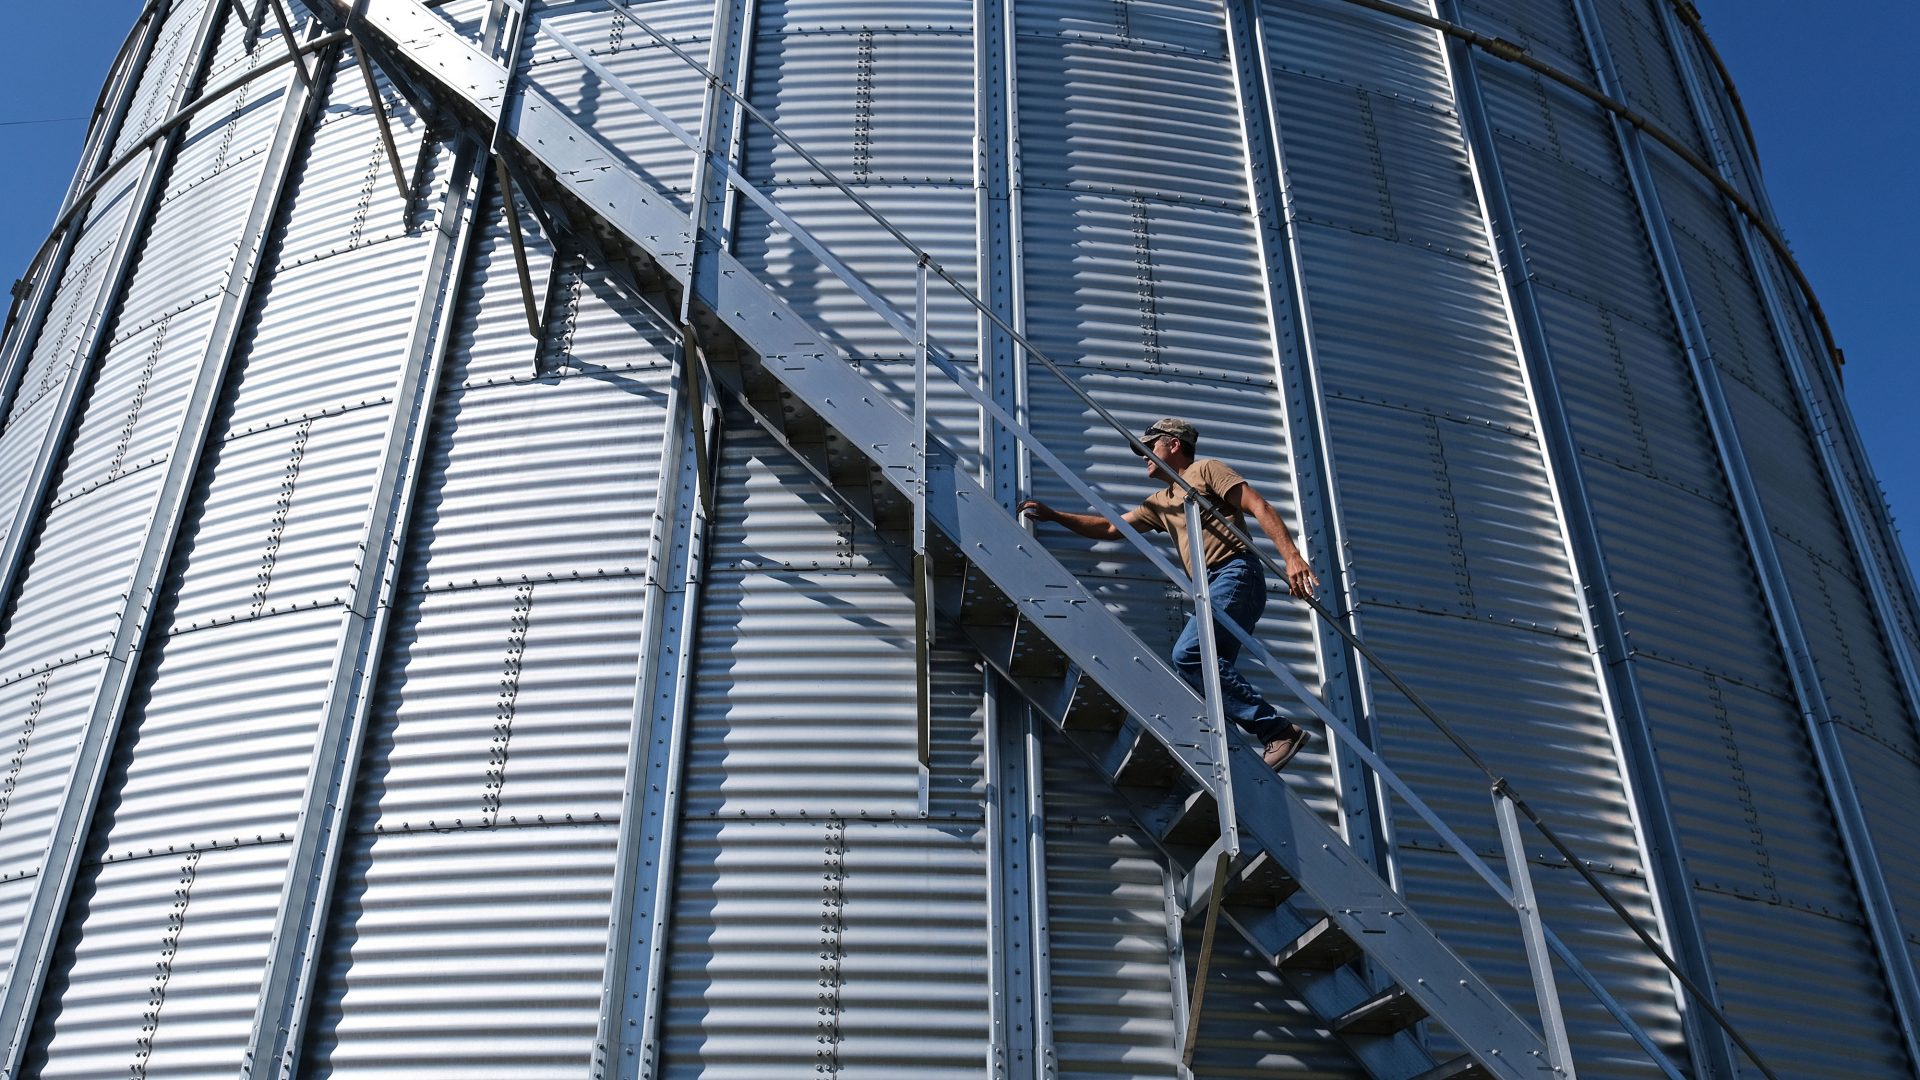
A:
(978, 603)
(1049, 694)
(1144, 763)
(1322, 948)
(1193, 820)
(1034, 653)
(1261, 882)
(1391, 1011)
(1090, 708)
(1463, 1067)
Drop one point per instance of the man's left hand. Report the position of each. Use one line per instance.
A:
(1302, 582)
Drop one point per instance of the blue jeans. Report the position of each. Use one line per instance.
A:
(1239, 592)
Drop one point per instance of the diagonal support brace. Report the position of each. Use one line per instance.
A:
(286, 35)
(380, 114)
(505, 179)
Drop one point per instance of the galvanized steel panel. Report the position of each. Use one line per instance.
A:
(489, 341)
(1861, 686)
(70, 321)
(1527, 108)
(1739, 334)
(1804, 987)
(231, 57)
(1468, 917)
(1683, 603)
(511, 499)
(15, 895)
(465, 952)
(845, 948)
(1744, 791)
(216, 745)
(72, 594)
(1590, 245)
(239, 127)
(766, 736)
(132, 417)
(806, 16)
(190, 244)
(343, 198)
(307, 361)
(1630, 399)
(1886, 778)
(504, 705)
(45, 712)
(770, 516)
(1474, 538)
(1550, 30)
(279, 526)
(877, 104)
(1434, 342)
(165, 71)
(71, 316)
(1367, 159)
(163, 970)
(1345, 44)
(1164, 289)
(1514, 695)
(939, 219)
(633, 138)
(1644, 59)
(1110, 967)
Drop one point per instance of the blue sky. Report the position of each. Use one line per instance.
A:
(1833, 108)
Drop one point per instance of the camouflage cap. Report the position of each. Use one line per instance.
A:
(1180, 429)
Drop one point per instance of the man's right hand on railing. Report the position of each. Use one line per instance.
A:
(1091, 526)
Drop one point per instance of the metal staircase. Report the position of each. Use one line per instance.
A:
(1252, 852)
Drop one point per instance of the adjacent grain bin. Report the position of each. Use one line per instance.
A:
(426, 658)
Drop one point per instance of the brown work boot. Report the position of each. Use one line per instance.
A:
(1281, 750)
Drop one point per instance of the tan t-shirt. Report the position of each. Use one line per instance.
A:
(1166, 511)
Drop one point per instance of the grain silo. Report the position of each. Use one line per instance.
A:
(509, 563)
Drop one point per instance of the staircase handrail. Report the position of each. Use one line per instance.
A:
(1500, 787)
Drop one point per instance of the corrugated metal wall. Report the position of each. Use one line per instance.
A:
(821, 923)
(212, 755)
(1758, 841)
(823, 918)
(1145, 279)
(497, 743)
(1462, 576)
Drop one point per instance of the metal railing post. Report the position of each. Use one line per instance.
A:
(1228, 847)
(1210, 680)
(1533, 933)
(922, 568)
